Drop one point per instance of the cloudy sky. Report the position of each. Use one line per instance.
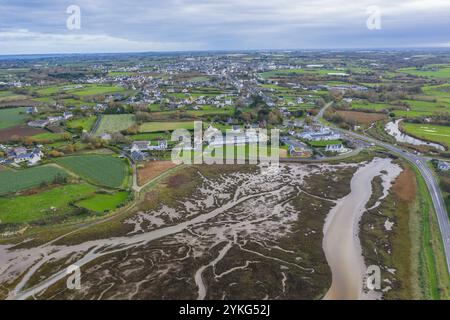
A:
(32, 26)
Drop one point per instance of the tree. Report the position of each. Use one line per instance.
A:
(117, 137)
(55, 154)
(142, 116)
(60, 179)
(275, 117)
(69, 149)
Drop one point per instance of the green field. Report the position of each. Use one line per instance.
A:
(84, 90)
(11, 117)
(49, 137)
(85, 124)
(76, 103)
(241, 152)
(13, 181)
(98, 90)
(103, 170)
(111, 123)
(199, 79)
(7, 96)
(165, 126)
(104, 202)
(320, 144)
(286, 72)
(441, 72)
(121, 73)
(370, 106)
(441, 93)
(439, 134)
(150, 136)
(45, 204)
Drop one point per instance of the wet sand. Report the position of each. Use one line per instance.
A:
(341, 242)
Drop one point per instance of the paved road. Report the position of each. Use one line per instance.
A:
(322, 112)
(431, 181)
(97, 124)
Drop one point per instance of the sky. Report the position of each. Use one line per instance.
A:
(38, 27)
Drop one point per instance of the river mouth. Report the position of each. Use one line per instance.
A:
(341, 242)
(392, 128)
(237, 235)
(268, 228)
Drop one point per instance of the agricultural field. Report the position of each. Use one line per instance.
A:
(420, 108)
(102, 202)
(153, 169)
(85, 124)
(75, 102)
(362, 118)
(111, 123)
(287, 72)
(437, 71)
(45, 204)
(90, 90)
(103, 170)
(441, 93)
(165, 126)
(324, 143)
(8, 96)
(17, 132)
(150, 136)
(50, 137)
(154, 107)
(432, 133)
(10, 117)
(199, 79)
(361, 105)
(18, 180)
(121, 73)
(83, 90)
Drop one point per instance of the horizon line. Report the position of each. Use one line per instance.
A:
(231, 50)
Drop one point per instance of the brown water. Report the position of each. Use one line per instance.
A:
(341, 241)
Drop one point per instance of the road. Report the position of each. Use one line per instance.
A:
(96, 125)
(432, 184)
(431, 181)
(322, 112)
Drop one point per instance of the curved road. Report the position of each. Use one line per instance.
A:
(432, 184)
(430, 179)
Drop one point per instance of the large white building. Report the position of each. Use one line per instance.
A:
(322, 134)
(237, 139)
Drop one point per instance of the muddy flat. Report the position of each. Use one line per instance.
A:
(341, 241)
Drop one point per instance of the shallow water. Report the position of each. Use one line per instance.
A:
(392, 128)
(341, 242)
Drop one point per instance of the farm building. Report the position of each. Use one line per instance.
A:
(38, 123)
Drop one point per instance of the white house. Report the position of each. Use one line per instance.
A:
(335, 148)
(443, 166)
(140, 146)
(147, 146)
(52, 119)
(32, 157)
(67, 115)
(161, 145)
